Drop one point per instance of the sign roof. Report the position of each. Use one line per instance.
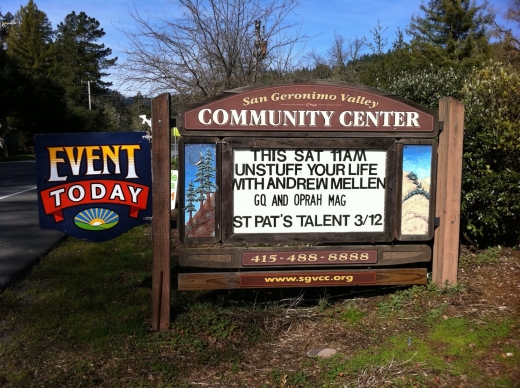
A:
(309, 109)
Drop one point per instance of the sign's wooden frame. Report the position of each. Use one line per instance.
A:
(447, 208)
(161, 231)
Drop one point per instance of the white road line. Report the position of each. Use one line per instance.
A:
(20, 192)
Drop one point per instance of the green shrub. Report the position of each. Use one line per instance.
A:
(491, 167)
(491, 175)
(427, 86)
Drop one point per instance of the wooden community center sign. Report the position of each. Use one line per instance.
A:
(302, 184)
(308, 184)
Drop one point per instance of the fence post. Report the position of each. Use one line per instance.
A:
(161, 232)
(448, 198)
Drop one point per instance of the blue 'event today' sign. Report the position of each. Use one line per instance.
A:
(93, 186)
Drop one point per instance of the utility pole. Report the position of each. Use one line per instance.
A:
(89, 96)
(260, 51)
(89, 99)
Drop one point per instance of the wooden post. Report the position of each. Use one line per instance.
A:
(449, 181)
(161, 233)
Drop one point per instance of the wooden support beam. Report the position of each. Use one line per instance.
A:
(449, 182)
(231, 280)
(161, 137)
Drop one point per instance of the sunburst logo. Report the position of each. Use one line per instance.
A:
(96, 219)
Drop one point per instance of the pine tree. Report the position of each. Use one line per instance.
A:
(79, 68)
(451, 32)
(190, 198)
(207, 185)
(32, 102)
(30, 41)
(79, 57)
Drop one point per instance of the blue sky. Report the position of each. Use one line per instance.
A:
(319, 18)
(418, 158)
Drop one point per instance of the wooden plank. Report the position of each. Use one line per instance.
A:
(161, 211)
(317, 256)
(232, 280)
(449, 182)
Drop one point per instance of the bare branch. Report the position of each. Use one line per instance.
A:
(211, 47)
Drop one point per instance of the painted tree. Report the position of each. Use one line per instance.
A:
(205, 175)
(208, 175)
(199, 177)
(190, 199)
(451, 32)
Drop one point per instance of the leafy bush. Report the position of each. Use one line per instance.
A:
(491, 166)
(427, 86)
(491, 175)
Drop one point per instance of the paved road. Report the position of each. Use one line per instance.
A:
(22, 242)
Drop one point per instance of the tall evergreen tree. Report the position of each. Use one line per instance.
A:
(30, 40)
(32, 103)
(208, 175)
(451, 32)
(79, 57)
(79, 67)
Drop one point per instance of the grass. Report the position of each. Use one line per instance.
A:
(82, 318)
(488, 256)
(77, 299)
(454, 341)
(351, 315)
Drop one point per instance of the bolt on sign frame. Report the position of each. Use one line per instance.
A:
(336, 181)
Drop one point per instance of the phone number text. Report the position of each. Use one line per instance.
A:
(288, 258)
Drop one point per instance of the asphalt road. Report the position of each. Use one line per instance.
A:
(22, 242)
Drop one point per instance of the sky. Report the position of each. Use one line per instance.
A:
(418, 159)
(321, 19)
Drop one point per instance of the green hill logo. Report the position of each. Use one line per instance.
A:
(96, 219)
